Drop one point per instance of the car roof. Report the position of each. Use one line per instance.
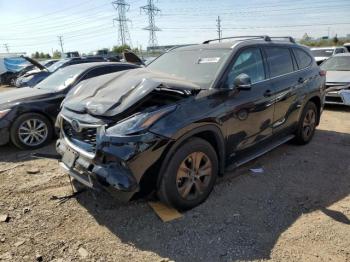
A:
(96, 64)
(231, 44)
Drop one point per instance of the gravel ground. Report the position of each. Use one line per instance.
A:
(297, 210)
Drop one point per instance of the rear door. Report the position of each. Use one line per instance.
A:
(250, 111)
(286, 82)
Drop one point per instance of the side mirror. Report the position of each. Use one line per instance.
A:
(242, 82)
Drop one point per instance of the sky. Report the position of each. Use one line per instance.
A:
(87, 25)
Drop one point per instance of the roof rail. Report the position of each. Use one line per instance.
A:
(264, 37)
(291, 39)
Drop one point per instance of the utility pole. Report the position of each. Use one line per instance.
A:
(218, 24)
(123, 32)
(61, 43)
(7, 48)
(328, 32)
(151, 10)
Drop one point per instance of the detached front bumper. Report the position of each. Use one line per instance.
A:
(117, 166)
(341, 97)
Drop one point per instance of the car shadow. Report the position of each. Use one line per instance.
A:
(10, 153)
(247, 212)
(341, 108)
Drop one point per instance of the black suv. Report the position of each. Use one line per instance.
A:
(177, 124)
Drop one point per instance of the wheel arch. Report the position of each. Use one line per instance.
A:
(211, 133)
(317, 101)
(36, 111)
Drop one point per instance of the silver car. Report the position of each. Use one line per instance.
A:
(323, 53)
(338, 79)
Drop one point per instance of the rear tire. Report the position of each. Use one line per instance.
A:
(190, 175)
(31, 131)
(307, 124)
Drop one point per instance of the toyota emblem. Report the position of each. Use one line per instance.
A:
(76, 126)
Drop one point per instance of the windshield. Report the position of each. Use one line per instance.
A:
(198, 66)
(322, 52)
(58, 64)
(60, 79)
(337, 63)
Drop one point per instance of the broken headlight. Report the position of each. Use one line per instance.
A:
(138, 122)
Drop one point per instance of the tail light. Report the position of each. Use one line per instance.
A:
(323, 73)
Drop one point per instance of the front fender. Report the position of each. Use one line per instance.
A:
(196, 129)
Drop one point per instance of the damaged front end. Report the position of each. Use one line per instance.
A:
(105, 138)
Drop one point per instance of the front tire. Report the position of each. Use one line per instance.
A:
(307, 124)
(190, 175)
(31, 131)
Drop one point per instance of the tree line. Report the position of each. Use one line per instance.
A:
(57, 54)
(335, 41)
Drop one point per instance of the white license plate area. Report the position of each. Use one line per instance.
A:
(69, 157)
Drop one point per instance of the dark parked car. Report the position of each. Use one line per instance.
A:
(338, 79)
(177, 124)
(30, 79)
(27, 115)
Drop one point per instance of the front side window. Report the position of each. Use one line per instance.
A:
(279, 60)
(303, 59)
(248, 62)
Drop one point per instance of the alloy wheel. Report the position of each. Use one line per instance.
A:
(309, 123)
(194, 175)
(33, 132)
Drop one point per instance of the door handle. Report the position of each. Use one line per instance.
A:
(268, 93)
(301, 80)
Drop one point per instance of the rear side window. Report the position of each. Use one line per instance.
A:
(303, 59)
(105, 70)
(279, 60)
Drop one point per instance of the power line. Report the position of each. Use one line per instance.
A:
(219, 30)
(151, 10)
(123, 31)
(48, 15)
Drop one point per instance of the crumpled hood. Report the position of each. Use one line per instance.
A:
(338, 76)
(112, 94)
(8, 98)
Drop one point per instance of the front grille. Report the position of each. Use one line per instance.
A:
(86, 138)
(334, 99)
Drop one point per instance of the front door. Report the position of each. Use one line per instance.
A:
(250, 112)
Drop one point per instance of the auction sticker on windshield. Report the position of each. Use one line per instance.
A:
(207, 60)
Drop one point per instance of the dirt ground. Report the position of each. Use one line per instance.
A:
(297, 210)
